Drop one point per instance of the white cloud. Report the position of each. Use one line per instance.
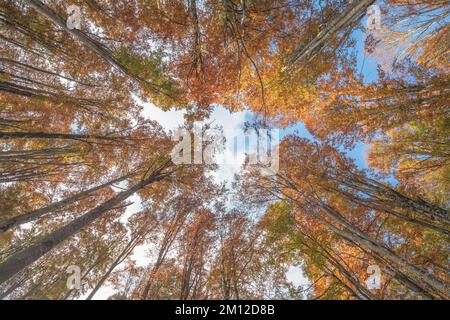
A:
(229, 122)
(220, 117)
(169, 120)
(297, 277)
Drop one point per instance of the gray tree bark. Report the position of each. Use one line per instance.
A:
(35, 214)
(27, 256)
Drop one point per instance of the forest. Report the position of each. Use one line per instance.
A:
(93, 206)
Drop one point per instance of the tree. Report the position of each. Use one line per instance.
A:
(77, 149)
(27, 256)
(301, 185)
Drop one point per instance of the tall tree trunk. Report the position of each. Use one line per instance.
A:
(358, 289)
(382, 197)
(384, 194)
(47, 135)
(134, 241)
(35, 214)
(336, 222)
(27, 256)
(27, 66)
(355, 11)
(353, 234)
(92, 44)
(169, 237)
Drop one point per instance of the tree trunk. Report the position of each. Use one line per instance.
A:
(351, 233)
(355, 11)
(122, 256)
(35, 214)
(95, 46)
(169, 238)
(46, 135)
(27, 256)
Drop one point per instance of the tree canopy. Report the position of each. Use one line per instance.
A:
(87, 180)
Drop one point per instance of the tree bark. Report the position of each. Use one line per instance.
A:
(27, 256)
(46, 135)
(355, 11)
(134, 241)
(94, 45)
(35, 214)
(353, 234)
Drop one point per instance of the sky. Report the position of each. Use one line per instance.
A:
(222, 117)
(170, 121)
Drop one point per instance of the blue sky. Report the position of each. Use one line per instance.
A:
(171, 120)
